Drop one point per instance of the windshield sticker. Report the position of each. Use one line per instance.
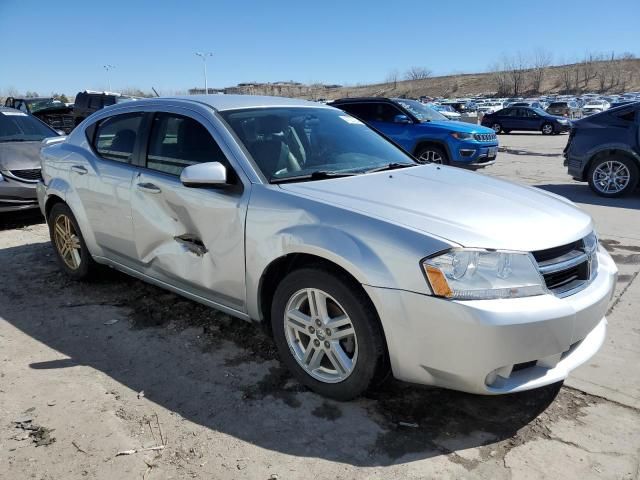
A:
(351, 120)
(14, 114)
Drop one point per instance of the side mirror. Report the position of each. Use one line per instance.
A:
(401, 119)
(204, 174)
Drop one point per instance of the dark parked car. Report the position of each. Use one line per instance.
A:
(569, 109)
(525, 118)
(21, 137)
(425, 133)
(604, 150)
(53, 112)
(88, 102)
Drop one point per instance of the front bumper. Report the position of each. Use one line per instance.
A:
(474, 154)
(494, 346)
(559, 127)
(16, 195)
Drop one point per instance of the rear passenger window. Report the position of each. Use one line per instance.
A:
(177, 142)
(116, 137)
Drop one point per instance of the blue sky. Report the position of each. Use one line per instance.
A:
(62, 46)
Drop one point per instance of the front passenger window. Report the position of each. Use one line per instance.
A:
(116, 137)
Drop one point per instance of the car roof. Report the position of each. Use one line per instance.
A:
(9, 109)
(362, 99)
(234, 102)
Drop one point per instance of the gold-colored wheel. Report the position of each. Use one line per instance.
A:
(67, 241)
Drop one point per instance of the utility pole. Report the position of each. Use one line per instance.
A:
(108, 67)
(204, 56)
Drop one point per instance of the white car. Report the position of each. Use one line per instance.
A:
(491, 107)
(595, 106)
(447, 111)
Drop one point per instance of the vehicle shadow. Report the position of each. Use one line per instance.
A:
(224, 374)
(20, 219)
(582, 193)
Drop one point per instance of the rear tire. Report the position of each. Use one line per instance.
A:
(327, 333)
(613, 176)
(71, 250)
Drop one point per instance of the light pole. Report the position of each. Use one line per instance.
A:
(108, 67)
(204, 56)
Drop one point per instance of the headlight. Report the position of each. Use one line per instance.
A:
(562, 121)
(467, 274)
(462, 136)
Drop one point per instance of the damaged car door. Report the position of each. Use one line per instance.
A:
(191, 237)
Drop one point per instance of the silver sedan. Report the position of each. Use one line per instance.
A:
(298, 215)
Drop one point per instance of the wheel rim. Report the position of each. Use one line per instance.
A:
(611, 177)
(496, 127)
(320, 335)
(67, 242)
(430, 156)
(547, 129)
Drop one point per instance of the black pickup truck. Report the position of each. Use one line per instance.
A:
(53, 112)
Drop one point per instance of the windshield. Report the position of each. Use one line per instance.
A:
(294, 142)
(420, 111)
(43, 104)
(20, 127)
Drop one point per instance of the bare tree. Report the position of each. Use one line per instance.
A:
(500, 79)
(516, 68)
(393, 78)
(541, 61)
(417, 73)
(566, 76)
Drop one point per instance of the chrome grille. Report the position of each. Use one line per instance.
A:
(485, 137)
(30, 175)
(569, 268)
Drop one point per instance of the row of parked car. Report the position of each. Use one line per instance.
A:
(66, 116)
(565, 105)
(335, 228)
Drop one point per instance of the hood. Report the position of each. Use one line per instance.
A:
(454, 126)
(466, 208)
(19, 155)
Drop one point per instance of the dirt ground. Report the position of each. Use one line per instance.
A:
(91, 370)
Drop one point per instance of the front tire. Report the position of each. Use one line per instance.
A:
(432, 154)
(68, 242)
(327, 333)
(547, 129)
(613, 176)
(496, 127)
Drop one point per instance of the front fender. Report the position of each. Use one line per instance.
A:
(374, 251)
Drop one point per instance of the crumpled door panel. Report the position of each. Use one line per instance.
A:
(191, 237)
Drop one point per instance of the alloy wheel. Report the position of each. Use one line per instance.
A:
(430, 156)
(496, 127)
(320, 335)
(67, 242)
(547, 129)
(611, 177)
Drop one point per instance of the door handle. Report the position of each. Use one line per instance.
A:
(79, 169)
(148, 188)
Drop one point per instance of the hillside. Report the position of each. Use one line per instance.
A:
(608, 76)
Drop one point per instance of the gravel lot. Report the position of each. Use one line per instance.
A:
(89, 370)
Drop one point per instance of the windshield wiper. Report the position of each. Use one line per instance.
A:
(7, 140)
(392, 166)
(317, 175)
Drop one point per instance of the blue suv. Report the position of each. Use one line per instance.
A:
(425, 133)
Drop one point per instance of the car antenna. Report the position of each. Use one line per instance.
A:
(154, 91)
